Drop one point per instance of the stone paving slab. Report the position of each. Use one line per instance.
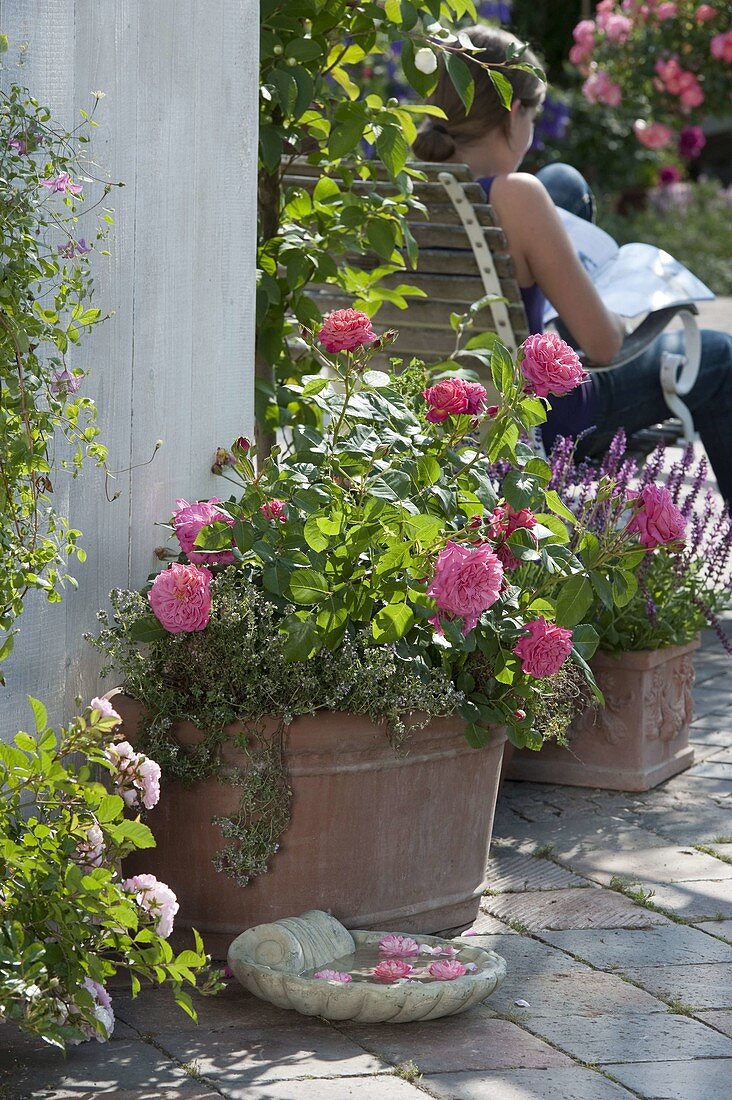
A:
(341, 1088)
(704, 746)
(722, 1020)
(527, 956)
(486, 925)
(604, 1039)
(577, 833)
(712, 769)
(711, 697)
(471, 1041)
(702, 1079)
(154, 1010)
(694, 901)
(671, 863)
(236, 1061)
(719, 722)
(721, 928)
(697, 824)
(698, 985)
(124, 1070)
(567, 1083)
(588, 993)
(620, 947)
(560, 909)
(516, 871)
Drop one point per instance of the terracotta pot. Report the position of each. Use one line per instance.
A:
(378, 840)
(638, 739)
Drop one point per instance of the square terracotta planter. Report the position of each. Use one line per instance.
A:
(638, 739)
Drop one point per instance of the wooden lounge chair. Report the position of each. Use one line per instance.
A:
(463, 257)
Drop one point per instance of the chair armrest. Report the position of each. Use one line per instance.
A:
(638, 340)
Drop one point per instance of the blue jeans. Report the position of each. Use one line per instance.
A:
(631, 396)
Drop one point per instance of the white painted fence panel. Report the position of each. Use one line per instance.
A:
(175, 362)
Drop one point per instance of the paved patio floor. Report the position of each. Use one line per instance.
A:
(613, 911)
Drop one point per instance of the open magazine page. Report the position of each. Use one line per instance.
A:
(634, 280)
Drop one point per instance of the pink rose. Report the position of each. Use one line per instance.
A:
(721, 47)
(544, 649)
(346, 330)
(398, 945)
(669, 73)
(704, 13)
(691, 94)
(275, 509)
(467, 581)
(657, 520)
(190, 519)
(665, 12)
(579, 57)
(135, 776)
(448, 970)
(476, 396)
(654, 135)
(550, 365)
(691, 142)
(181, 598)
(105, 709)
(391, 970)
(102, 1011)
(584, 34)
(618, 28)
(154, 898)
(669, 174)
(599, 88)
(449, 397)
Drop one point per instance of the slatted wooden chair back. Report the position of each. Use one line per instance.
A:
(463, 256)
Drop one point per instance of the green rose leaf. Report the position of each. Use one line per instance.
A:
(308, 586)
(573, 600)
(147, 629)
(392, 623)
(301, 638)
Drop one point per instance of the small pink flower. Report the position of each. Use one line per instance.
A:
(275, 509)
(154, 898)
(618, 28)
(447, 971)
(446, 398)
(346, 330)
(492, 411)
(657, 520)
(180, 598)
(519, 715)
(103, 1012)
(90, 852)
(599, 88)
(65, 383)
(398, 945)
(691, 142)
(584, 34)
(333, 976)
(704, 13)
(391, 970)
(654, 135)
(19, 145)
(135, 776)
(721, 47)
(62, 182)
(669, 174)
(550, 365)
(544, 649)
(665, 12)
(466, 582)
(188, 522)
(104, 709)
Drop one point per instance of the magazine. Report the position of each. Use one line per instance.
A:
(633, 280)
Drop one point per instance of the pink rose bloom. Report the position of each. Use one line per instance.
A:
(584, 34)
(275, 509)
(466, 582)
(665, 12)
(181, 598)
(190, 519)
(669, 174)
(657, 520)
(691, 142)
(599, 88)
(154, 898)
(90, 852)
(654, 135)
(618, 28)
(449, 397)
(544, 649)
(391, 970)
(721, 47)
(398, 945)
(691, 94)
(550, 365)
(579, 56)
(669, 73)
(448, 970)
(346, 330)
(135, 776)
(105, 709)
(102, 1011)
(333, 976)
(476, 396)
(704, 13)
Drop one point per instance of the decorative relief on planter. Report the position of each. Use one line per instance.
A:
(638, 739)
(314, 965)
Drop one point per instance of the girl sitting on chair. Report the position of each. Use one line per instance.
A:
(492, 141)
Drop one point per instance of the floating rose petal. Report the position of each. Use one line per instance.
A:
(333, 976)
(521, 1003)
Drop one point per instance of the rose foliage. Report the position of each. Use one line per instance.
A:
(68, 920)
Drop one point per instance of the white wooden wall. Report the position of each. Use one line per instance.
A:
(178, 126)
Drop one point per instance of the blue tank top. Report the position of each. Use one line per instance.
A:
(577, 411)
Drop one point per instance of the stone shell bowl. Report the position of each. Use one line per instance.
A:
(270, 961)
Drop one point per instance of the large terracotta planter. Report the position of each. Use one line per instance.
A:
(379, 840)
(638, 739)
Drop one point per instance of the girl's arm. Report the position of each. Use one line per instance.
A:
(543, 253)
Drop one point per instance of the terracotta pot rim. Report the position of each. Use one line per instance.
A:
(645, 658)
